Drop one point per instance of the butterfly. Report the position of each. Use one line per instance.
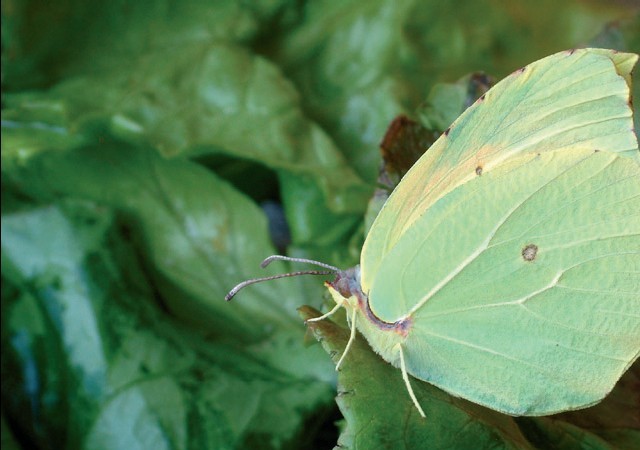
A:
(505, 266)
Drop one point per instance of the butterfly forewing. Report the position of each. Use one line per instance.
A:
(567, 101)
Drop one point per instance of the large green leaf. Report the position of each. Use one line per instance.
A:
(227, 100)
(102, 368)
(198, 233)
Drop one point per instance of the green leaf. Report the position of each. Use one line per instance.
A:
(447, 101)
(544, 433)
(192, 226)
(101, 368)
(338, 57)
(227, 101)
(43, 41)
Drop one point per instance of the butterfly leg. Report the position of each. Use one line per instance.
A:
(325, 316)
(405, 377)
(352, 337)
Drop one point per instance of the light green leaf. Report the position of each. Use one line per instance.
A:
(227, 101)
(193, 227)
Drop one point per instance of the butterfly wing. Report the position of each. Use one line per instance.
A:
(522, 284)
(570, 100)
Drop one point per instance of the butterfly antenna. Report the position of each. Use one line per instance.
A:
(270, 259)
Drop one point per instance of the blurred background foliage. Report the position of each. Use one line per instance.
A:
(154, 152)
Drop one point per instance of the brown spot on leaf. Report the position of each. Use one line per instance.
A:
(447, 131)
(479, 170)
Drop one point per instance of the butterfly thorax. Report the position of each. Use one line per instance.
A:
(347, 288)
